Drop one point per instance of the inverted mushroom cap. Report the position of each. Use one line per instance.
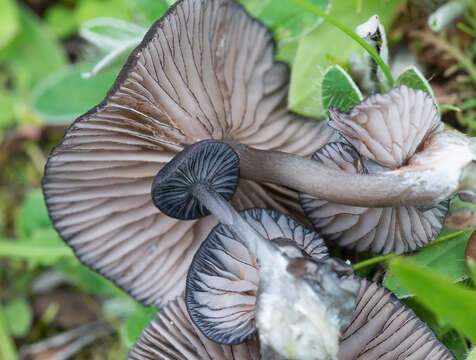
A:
(223, 279)
(205, 70)
(385, 132)
(173, 336)
(385, 328)
(207, 164)
(389, 128)
(380, 230)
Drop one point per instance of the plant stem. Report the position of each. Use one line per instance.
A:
(27, 251)
(381, 258)
(7, 347)
(304, 4)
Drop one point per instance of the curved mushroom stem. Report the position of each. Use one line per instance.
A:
(228, 216)
(441, 171)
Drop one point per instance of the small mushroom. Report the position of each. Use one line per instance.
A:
(223, 279)
(205, 70)
(173, 336)
(300, 305)
(380, 230)
(396, 133)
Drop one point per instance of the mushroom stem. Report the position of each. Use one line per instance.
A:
(228, 216)
(425, 184)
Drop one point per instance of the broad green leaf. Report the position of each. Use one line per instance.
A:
(67, 94)
(7, 347)
(32, 215)
(61, 20)
(33, 54)
(286, 20)
(136, 322)
(446, 14)
(413, 78)
(339, 90)
(19, 316)
(452, 304)
(113, 38)
(108, 33)
(7, 111)
(446, 257)
(9, 24)
(89, 9)
(149, 10)
(327, 46)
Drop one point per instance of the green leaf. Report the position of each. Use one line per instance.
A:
(339, 90)
(89, 9)
(327, 46)
(136, 322)
(61, 20)
(413, 78)
(452, 304)
(32, 215)
(33, 54)
(113, 38)
(456, 343)
(287, 21)
(446, 257)
(19, 316)
(9, 25)
(44, 248)
(67, 94)
(150, 10)
(7, 347)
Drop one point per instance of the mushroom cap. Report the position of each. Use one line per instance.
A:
(205, 70)
(208, 163)
(379, 230)
(389, 128)
(173, 336)
(223, 280)
(385, 328)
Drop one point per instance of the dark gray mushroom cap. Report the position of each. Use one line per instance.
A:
(205, 70)
(223, 280)
(173, 336)
(206, 165)
(385, 328)
(380, 230)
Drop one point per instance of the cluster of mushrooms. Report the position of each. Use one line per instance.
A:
(191, 187)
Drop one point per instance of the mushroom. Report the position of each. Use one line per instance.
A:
(381, 230)
(295, 308)
(205, 70)
(223, 281)
(400, 133)
(171, 335)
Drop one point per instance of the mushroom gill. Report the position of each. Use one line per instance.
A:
(385, 132)
(223, 279)
(171, 335)
(205, 70)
